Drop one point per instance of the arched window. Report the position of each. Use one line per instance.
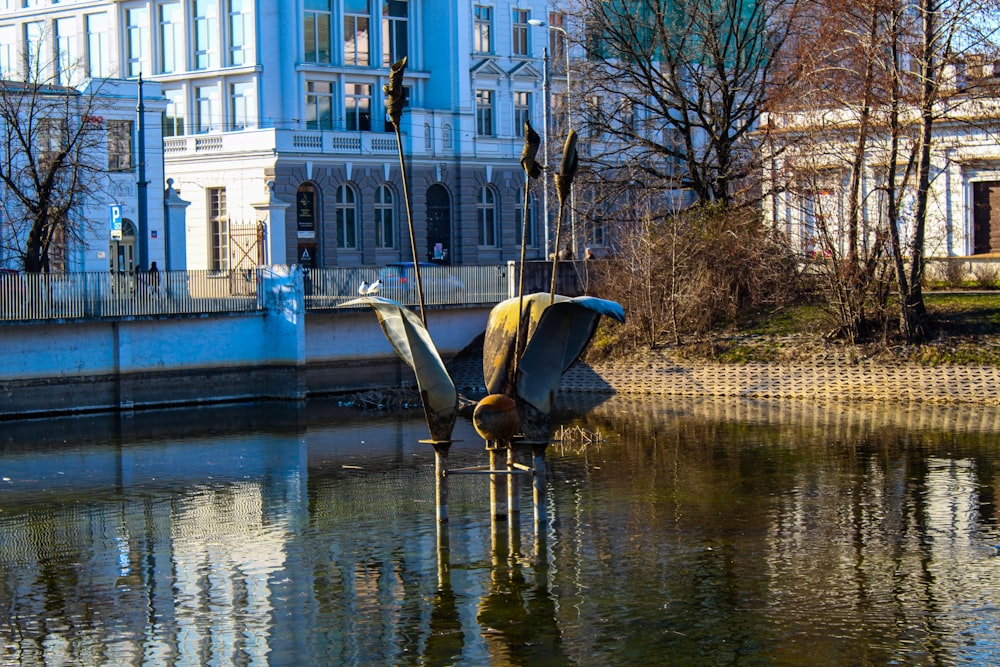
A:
(385, 218)
(519, 218)
(347, 217)
(446, 136)
(486, 214)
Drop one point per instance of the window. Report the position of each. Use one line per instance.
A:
(242, 110)
(486, 215)
(482, 33)
(218, 225)
(319, 105)
(8, 52)
(173, 115)
(137, 41)
(519, 31)
(484, 113)
(34, 38)
(206, 100)
(446, 137)
(557, 39)
(385, 218)
(358, 103)
(171, 37)
(347, 217)
(317, 31)
(395, 31)
(357, 33)
(52, 136)
(522, 111)
(519, 219)
(674, 143)
(240, 25)
(206, 34)
(594, 121)
(119, 145)
(67, 52)
(98, 51)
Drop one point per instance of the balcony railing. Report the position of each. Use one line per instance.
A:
(117, 295)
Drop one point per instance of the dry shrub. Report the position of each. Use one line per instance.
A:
(986, 276)
(953, 273)
(693, 272)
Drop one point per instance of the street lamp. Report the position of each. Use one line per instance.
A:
(546, 92)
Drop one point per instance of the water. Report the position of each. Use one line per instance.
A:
(697, 533)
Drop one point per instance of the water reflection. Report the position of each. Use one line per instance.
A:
(699, 532)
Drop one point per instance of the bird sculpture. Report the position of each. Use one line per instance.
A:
(374, 288)
(363, 288)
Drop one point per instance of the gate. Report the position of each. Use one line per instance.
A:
(246, 253)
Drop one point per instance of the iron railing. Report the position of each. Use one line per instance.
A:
(112, 295)
(96, 295)
(442, 285)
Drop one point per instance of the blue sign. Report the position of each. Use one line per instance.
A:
(116, 221)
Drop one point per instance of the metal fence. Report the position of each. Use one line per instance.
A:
(96, 295)
(99, 295)
(442, 285)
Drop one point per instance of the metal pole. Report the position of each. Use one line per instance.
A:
(497, 504)
(141, 182)
(545, 139)
(441, 479)
(513, 485)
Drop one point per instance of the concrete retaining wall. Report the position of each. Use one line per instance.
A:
(279, 352)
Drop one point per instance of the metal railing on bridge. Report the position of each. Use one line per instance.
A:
(98, 295)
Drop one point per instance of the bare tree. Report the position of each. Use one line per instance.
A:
(50, 160)
(865, 107)
(676, 89)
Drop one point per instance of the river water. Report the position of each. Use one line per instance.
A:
(680, 532)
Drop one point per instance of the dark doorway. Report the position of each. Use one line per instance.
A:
(438, 225)
(985, 217)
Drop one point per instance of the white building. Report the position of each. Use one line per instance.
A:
(275, 131)
(108, 228)
(806, 179)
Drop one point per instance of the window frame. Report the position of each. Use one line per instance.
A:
(315, 108)
(487, 218)
(120, 135)
(346, 216)
(313, 20)
(482, 29)
(357, 57)
(485, 112)
(358, 116)
(522, 110)
(385, 217)
(218, 228)
(520, 44)
(395, 29)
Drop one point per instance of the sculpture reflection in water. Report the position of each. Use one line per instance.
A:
(517, 616)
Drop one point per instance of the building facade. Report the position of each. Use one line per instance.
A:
(807, 171)
(274, 127)
(108, 227)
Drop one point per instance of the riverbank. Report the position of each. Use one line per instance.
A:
(793, 366)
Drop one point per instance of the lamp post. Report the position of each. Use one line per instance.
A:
(545, 122)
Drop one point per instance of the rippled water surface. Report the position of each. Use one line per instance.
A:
(689, 532)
